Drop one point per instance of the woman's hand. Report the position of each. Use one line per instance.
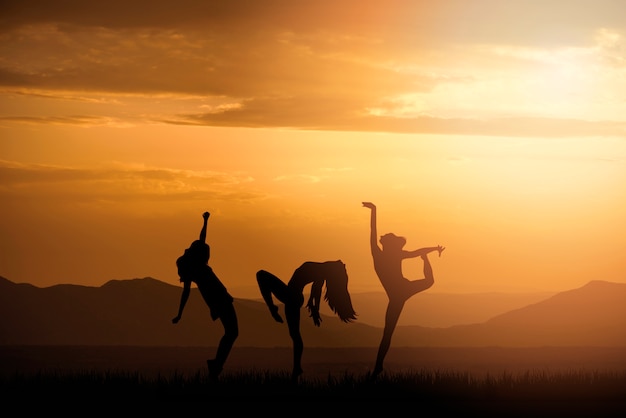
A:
(206, 215)
(369, 205)
(176, 319)
(440, 249)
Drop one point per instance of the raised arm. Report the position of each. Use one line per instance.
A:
(313, 305)
(373, 230)
(422, 252)
(205, 216)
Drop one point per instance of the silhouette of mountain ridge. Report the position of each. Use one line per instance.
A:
(593, 315)
(441, 310)
(139, 311)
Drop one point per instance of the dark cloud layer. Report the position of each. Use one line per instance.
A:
(309, 65)
(451, 19)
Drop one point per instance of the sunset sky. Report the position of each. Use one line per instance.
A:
(494, 128)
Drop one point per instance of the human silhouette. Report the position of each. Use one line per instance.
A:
(193, 267)
(331, 273)
(388, 267)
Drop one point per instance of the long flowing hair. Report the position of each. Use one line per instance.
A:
(337, 294)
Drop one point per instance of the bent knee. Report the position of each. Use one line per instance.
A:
(261, 275)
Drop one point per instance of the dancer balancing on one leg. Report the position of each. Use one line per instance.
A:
(193, 267)
(388, 267)
(331, 273)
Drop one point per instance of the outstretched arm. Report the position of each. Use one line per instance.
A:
(423, 251)
(373, 231)
(313, 305)
(205, 216)
(183, 301)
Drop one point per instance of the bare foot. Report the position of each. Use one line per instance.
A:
(376, 372)
(295, 374)
(214, 369)
(275, 314)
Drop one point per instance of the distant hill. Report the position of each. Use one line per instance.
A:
(592, 315)
(139, 312)
(440, 310)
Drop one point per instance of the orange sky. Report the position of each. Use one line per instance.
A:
(496, 129)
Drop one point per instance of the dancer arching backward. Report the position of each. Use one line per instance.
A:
(388, 267)
(193, 267)
(332, 273)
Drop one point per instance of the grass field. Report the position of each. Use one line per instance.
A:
(570, 394)
(566, 391)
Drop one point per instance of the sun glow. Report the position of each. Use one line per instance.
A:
(560, 82)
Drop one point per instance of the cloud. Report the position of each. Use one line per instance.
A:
(305, 178)
(60, 95)
(85, 120)
(400, 21)
(314, 116)
(393, 66)
(121, 183)
(139, 60)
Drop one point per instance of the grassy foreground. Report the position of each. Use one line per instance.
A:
(574, 393)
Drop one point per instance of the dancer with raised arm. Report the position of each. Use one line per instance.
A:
(193, 267)
(331, 273)
(388, 267)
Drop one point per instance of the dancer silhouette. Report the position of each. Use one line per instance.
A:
(193, 267)
(333, 273)
(388, 267)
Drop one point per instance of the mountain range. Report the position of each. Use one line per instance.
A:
(138, 312)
